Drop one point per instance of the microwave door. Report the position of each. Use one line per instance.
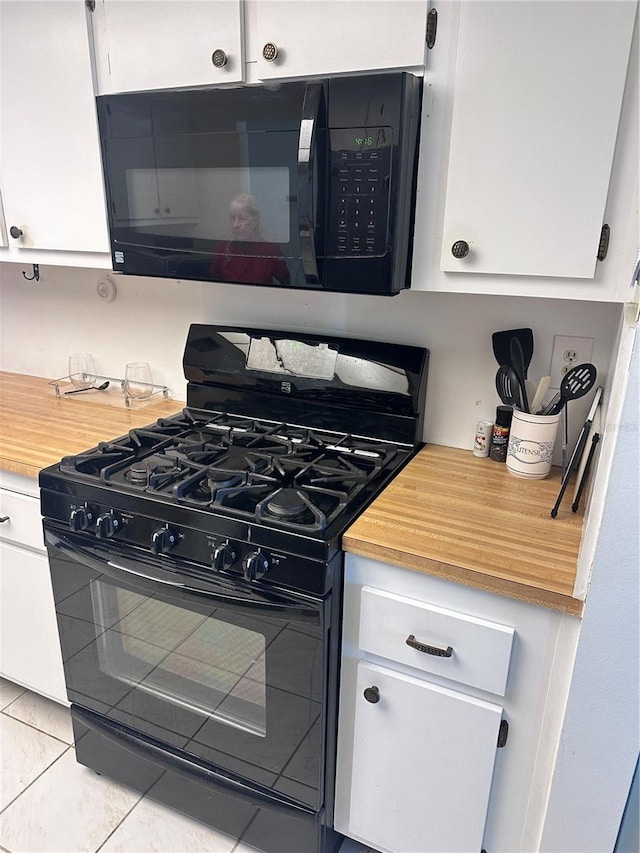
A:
(310, 183)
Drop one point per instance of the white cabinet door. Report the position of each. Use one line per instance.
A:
(161, 44)
(537, 98)
(51, 174)
(3, 230)
(29, 644)
(423, 761)
(325, 37)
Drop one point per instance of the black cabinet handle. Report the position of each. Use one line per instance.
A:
(4, 518)
(15, 232)
(270, 51)
(219, 58)
(460, 249)
(429, 650)
(372, 694)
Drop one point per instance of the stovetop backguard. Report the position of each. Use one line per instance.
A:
(366, 388)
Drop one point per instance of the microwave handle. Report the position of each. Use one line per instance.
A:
(306, 160)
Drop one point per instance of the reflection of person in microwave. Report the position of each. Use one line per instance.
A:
(237, 258)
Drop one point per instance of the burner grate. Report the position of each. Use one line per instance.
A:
(283, 475)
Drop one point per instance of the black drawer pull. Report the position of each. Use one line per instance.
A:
(429, 650)
(4, 518)
(372, 694)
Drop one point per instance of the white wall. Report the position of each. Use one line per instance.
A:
(42, 323)
(601, 734)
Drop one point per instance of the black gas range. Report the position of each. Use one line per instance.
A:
(197, 573)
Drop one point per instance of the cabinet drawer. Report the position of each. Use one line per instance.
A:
(24, 523)
(453, 645)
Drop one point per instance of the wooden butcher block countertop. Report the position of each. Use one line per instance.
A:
(447, 513)
(453, 515)
(37, 428)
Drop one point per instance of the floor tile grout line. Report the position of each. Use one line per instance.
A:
(15, 698)
(35, 728)
(137, 802)
(48, 767)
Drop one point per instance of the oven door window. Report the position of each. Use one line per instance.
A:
(201, 663)
(234, 680)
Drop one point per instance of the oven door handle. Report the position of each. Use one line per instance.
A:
(306, 161)
(258, 599)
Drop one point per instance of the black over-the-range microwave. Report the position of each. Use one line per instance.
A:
(303, 184)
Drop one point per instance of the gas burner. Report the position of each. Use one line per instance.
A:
(138, 474)
(153, 472)
(207, 486)
(294, 509)
(287, 503)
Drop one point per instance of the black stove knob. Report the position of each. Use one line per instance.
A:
(162, 540)
(107, 525)
(224, 557)
(255, 566)
(80, 518)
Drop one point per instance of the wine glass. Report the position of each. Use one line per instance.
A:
(138, 382)
(82, 370)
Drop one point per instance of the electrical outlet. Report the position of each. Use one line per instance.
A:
(567, 352)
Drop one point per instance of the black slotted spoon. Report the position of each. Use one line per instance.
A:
(575, 384)
(508, 386)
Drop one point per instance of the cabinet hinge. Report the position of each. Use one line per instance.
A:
(603, 248)
(91, 5)
(432, 27)
(503, 733)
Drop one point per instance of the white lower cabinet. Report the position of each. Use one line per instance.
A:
(30, 652)
(423, 759)
(448, 721)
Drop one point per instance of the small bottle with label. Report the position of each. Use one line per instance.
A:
(482, 441)
(500, 437)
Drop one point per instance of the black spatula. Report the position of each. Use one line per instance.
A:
(502, 346)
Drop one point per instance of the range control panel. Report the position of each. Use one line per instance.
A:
(360, 186)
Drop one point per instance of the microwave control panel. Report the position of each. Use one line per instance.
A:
(359, 196)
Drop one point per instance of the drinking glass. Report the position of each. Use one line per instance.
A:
(82, 370)
(138, 382)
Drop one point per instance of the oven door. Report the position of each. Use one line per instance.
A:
(223, 672)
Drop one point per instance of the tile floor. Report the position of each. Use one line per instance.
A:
(48, 802)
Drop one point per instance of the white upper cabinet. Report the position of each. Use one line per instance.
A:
(328, 37)
(161, 44)
(51, 177)
(538, 90)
